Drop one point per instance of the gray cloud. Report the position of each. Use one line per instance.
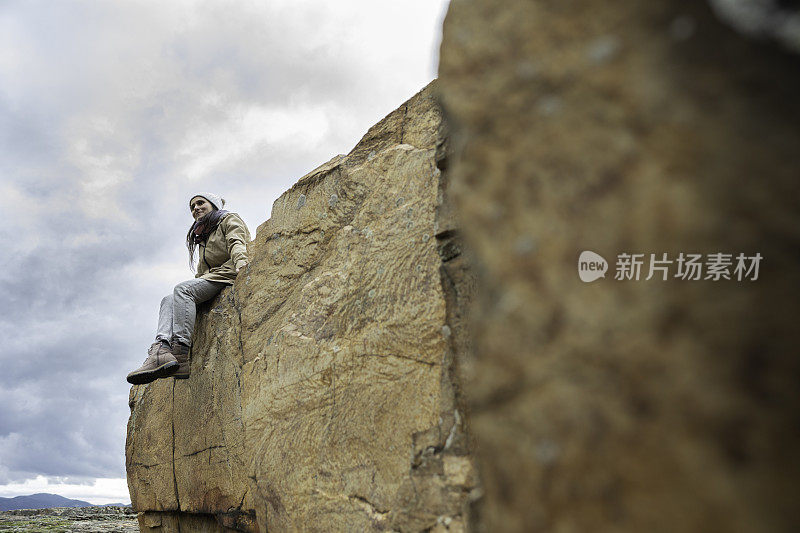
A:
(111, 116)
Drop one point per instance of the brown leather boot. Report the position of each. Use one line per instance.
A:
(181, 353)
(160, 363)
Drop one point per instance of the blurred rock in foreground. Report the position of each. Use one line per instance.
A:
(627, 127)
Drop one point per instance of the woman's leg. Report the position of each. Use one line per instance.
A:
(164, 331)
(160, 362)
(185, 298)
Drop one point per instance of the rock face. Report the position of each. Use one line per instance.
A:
(322, 394)
(626, 127)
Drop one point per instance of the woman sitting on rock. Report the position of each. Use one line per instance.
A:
(221, 239)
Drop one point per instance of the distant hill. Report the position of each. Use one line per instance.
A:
(41, 500)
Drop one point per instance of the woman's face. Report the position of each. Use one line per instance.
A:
(200, 207)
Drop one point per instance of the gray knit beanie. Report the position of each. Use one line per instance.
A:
(216, 201)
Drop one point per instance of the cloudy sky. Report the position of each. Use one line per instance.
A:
(112, 115)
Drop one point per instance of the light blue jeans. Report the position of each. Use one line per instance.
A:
(179, 309)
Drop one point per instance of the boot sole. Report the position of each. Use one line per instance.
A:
(165, 370)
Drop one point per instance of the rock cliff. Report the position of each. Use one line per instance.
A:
(322, 394)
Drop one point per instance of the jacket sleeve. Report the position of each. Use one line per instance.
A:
(236, 236)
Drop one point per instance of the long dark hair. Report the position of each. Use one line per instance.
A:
(201, 229)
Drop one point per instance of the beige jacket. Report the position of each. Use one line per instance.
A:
(225, 250)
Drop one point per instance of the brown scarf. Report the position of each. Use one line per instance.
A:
(201, 229)
(203, 226)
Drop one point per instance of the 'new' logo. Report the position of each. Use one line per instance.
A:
(591, 266)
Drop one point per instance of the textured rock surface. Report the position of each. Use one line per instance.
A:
(641, 127)
(322, 394)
